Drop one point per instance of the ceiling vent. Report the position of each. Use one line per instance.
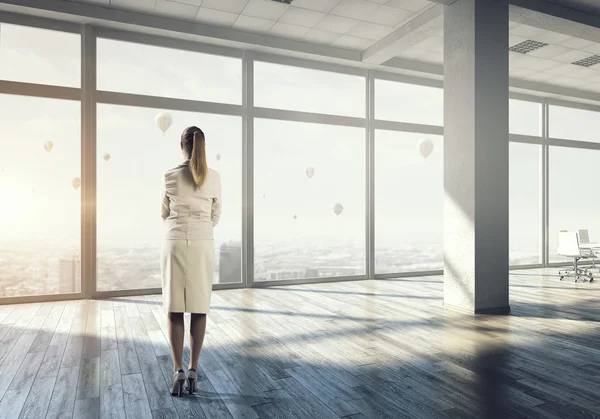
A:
(527, 46)
(283, 1)
(589, 61)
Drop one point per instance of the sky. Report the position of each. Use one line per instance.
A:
(290, 207)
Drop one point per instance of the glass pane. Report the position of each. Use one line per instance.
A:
(574, 203)
(40, 56)
(411, 103)
(130, 229)
(574, 124)
(40, 214)
(302, 172)
(524, 199)
(301, 89)
(525, 118)
(409, 202)
(156, 71)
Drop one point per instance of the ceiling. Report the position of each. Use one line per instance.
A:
(349, 24)
(551, 64)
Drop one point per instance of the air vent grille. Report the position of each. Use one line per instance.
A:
(589, 61)
(283, 1)
(527, 46)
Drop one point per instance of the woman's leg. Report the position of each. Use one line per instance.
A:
(176, 331)
(197, 330)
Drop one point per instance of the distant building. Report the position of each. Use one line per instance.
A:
(69, 275)
(230, 263)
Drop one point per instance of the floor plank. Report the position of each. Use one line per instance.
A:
(136, 400)
(63, 396)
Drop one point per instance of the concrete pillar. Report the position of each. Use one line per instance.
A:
(476, 156)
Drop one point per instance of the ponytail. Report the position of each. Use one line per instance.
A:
(198, 165)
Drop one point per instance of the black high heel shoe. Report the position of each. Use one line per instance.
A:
(192, 379)
(177, 384)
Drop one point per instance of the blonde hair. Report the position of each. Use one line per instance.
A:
(198, 165)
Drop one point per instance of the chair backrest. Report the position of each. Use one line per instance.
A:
(584, 236)
(568, 244)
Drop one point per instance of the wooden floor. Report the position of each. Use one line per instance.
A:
(370, 349)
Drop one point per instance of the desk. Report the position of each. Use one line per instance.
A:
(589, 245)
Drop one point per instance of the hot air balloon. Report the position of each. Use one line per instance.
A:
(264, 195)
(76, 183)
(48, 145)
(163, 121)
(425, 147)
(218, 157)
(33, 190)
(106, 157)
(310, 172)
(338, 208)
(295, 216)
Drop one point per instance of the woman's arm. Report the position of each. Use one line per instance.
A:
(216, 205)
(165, 209)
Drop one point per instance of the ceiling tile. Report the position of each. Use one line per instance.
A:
(410, 5)
(265, 9)
(571, 56)
(593, 48)
(176, 10)
(336, 24)
(196, 3)
(551, 38)
(569, 82)
(542, 77)
(98, 2)
(378, 1)
(549, 51)
(321, 37)
(370, 30)
(595, 79)
(138, 5)
(231, 6)
(216, 17)
(575, 43)
(324, 6)
(526, 31)
(520, 73)
(561, 69)
(430, 44)
(356, 9)
(512, 25)
(534, 63)
(515, 39)
(582, 73)
(389, 16)
(253, 24)
(287, 30)
(352, 42)
(302, 17)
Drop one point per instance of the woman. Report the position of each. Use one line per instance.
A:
(190, 208)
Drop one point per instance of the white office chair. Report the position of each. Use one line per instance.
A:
(568, 246)
(587, 252)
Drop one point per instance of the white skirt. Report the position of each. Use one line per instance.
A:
(187, 268)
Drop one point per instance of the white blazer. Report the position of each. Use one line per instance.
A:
(190, 212)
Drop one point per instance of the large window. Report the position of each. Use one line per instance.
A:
(574, 124)
(410, 103)
(39, 56)
(148, 70)
(132, 156)
(525, 118)
(525, 204)
(39, 196)
(301, 89)
(309, 200)
(574, 202)
(409, 199)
